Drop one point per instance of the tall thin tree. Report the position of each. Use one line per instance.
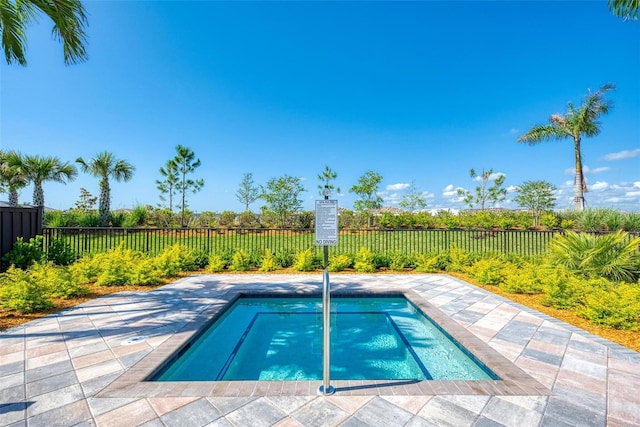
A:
(105, 166)
(248, 192)
(483, 193)
(187, 163)
(326, 177)
(574, 124)
(69, 22)
(169, 184)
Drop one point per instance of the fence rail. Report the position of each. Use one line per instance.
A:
(87, 241)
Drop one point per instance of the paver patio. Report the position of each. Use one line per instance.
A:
(68, 369)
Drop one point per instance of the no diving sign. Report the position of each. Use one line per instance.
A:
(326, 222)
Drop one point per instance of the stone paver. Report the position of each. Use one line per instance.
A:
(56, 371)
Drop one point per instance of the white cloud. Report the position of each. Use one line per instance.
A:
(622, 155)
(449, 191)
(632, 194)
(600, 185)
(636, 184)
(512, 188)
(492, 177)
(397, 187)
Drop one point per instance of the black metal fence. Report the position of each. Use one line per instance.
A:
(153, 240)
(18, 222)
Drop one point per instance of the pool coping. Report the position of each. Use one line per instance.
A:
(134, 383)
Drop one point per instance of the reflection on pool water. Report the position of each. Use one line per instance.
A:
(372, 338)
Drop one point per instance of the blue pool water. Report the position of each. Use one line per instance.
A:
(281, 339)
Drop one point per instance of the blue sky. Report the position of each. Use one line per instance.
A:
(415, 91)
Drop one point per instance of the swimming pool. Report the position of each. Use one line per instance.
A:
(281, 339)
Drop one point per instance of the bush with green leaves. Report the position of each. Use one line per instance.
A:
(145, 273)
(175, 259)
(491, 271)
(138, 217)
(432, 262)
(285, 258)
(57, 281)
(241, 261)
(562, 289)
(613, 256)
(459, 259)
(304, 261)
(614, 306)
(526, 280)
(268, 262)
(116, 266)
(87, 269)
(363, 261)
(339, 262)
(216, 264)
(60, 252)
(399, 261)
(24, 254)
(22, 293)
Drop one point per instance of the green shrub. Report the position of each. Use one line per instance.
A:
(398, 261)
(57, 281)
(524, 280)
(562, 289)
(174, 259)
(117, 218)
(200, 258)
(615, 307)
(216, 264)
(20, 292)
(339, 262)
(613, 256)
(459, 259)
(60, 253)
(363, 262)
(138, 217)
(432, 262)
(227, 219)
(380, 260)
(492, 271)
(549, 220)
(285, 258)
(304, 261)
(24, 254)
(145, 273)
(631, 221)
(116, 266)
(268, 262)
(241, 261)
(87, 269)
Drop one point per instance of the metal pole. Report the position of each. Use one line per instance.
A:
(326, 388)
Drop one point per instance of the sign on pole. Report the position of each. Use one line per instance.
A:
(326, 222)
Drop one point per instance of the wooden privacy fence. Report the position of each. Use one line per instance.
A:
(18, 222)
(152, 240)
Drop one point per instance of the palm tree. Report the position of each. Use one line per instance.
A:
(12, 178)
(38, 169)
(69, 21)
(104, 166)
(625, 9)
(576, 123)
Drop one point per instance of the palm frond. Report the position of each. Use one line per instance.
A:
(541, 133)
(625, 9)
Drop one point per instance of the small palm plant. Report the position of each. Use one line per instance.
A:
(614, 256)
